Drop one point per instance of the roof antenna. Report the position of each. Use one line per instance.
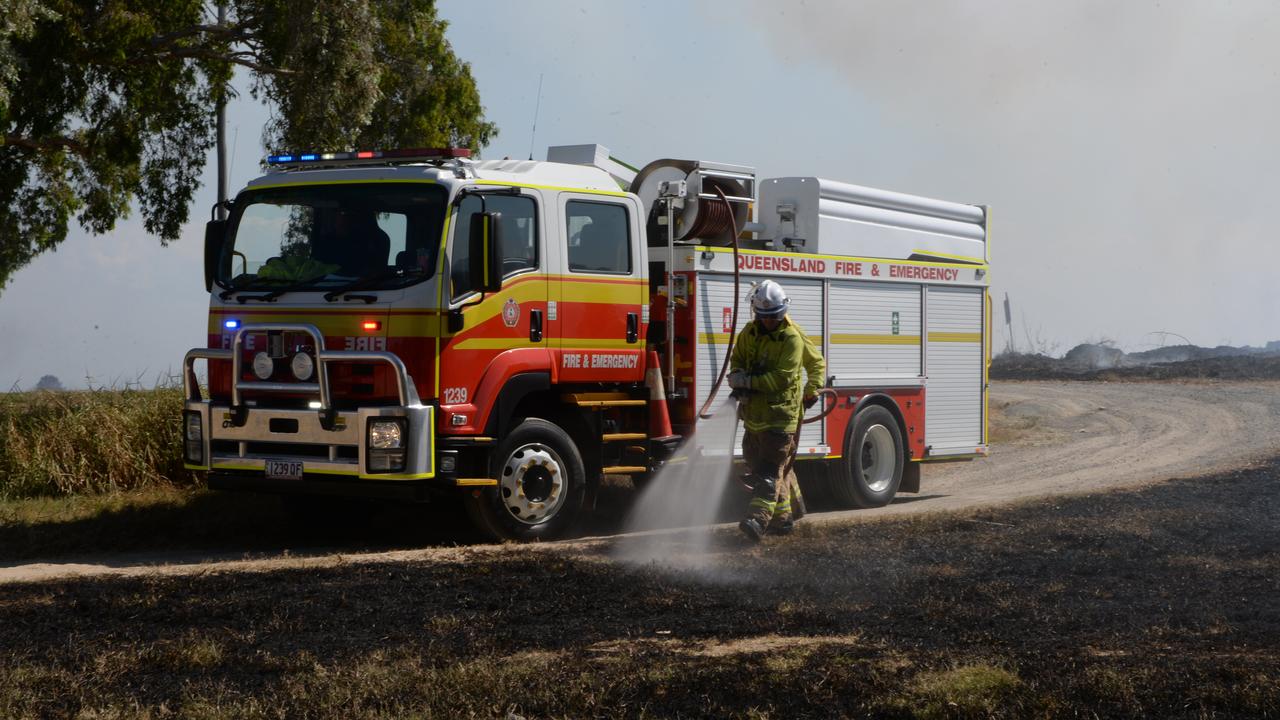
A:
(537, 106)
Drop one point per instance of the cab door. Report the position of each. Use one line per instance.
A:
(487, 339)
(602, 304)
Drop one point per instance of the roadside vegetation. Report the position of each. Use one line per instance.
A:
(88, 442)
(1150, 603)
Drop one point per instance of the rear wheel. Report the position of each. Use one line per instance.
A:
(541, 482)
(869, 473)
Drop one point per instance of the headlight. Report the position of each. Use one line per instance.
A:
(302, 366)
(386, 449)
(263, 366)
(385, 435)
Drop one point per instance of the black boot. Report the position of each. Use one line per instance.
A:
(752, 529)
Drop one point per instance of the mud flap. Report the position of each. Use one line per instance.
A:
(910, 478)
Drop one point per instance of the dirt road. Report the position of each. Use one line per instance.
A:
(1048, 438)
(1072, 437)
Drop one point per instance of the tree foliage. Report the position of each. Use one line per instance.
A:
(109, 104)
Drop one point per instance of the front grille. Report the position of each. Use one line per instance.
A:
(231, 448)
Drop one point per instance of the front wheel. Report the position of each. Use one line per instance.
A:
(541, 482)
(869, 473)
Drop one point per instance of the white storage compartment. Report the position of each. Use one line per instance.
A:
(835, 218)
(875, 333)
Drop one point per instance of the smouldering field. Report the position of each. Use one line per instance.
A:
(1154, 602)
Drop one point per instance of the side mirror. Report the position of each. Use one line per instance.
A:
(485, 251)
(215, 236)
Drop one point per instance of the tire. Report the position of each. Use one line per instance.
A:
(541, 483)
(869, 473)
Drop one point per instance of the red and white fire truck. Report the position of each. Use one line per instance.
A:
(401, 324)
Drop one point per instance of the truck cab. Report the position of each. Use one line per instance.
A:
(377, 327)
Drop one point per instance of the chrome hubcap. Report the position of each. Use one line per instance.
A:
(878, 458)
(532, 483)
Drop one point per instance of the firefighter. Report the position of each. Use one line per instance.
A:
(815, 369)
(765, 372)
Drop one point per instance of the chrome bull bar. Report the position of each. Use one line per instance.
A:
(320, 388)
(246, 437)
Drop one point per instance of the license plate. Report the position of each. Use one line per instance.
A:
(284, 469)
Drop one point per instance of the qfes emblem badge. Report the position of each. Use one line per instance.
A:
(511, 312)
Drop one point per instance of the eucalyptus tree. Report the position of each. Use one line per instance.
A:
(108, 105)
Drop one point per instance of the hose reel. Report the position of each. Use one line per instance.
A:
(699, 215)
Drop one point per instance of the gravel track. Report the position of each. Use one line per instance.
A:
(1078, 437)
(1053, 438)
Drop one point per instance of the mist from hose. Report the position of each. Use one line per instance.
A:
(692, 492)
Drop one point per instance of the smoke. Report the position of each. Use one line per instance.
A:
(1126, 148)
(690, 492)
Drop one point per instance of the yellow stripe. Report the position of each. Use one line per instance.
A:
(611, 193)
(476, 482)
(955, 337)
(195, 467)
(495, 344)
(882, 261)
(440, 256)
(606, 293)
(870, 339)
(965, 258)
(425, 326)
(836, 339)
(343, 473)
(608, 343)
(419, 476)
(397, 325)
(986, 368)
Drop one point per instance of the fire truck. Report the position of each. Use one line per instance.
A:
(415, 323)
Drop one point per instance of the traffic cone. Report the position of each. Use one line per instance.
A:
(659, 418)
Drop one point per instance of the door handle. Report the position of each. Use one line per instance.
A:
(633, 327)
(535, 326)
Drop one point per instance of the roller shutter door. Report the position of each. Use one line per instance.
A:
(953, 387)
(875, 331)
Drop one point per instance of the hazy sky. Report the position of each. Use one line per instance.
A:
(1127, 150)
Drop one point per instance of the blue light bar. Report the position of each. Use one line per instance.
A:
(231, 324)
(376, 156)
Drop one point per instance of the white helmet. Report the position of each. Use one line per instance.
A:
(769, 300)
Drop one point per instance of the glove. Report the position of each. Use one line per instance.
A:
(809, 400)
(738, 380)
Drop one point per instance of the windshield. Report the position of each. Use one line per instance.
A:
(322, 237)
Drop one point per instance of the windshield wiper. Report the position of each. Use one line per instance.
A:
(362, 283)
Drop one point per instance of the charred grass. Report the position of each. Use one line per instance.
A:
(1152, 603)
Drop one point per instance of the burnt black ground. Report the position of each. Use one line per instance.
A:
(1163, 602)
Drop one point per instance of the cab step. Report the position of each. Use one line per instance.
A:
(615, 437)
(624, 470)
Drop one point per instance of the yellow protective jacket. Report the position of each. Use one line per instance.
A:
(815, 368)
(773, 360)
